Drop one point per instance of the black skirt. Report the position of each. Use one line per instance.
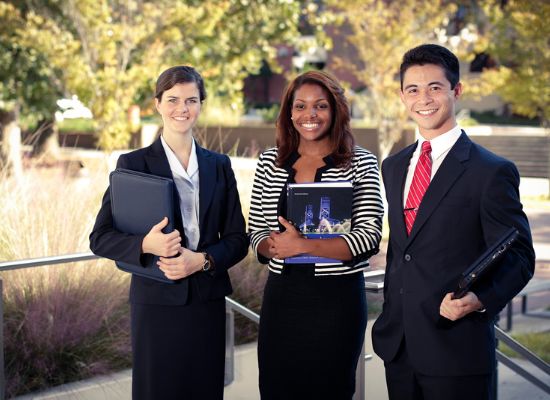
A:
(311, 333)
(178, 352)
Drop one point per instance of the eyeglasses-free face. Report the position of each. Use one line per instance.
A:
(311, 112)
(429, 99)
(179, 108)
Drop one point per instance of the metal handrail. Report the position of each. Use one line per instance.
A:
(251, 315)
(527, 354)
(531, 357)
(234, 305)
(230, 304)
(69, 258)
(42, 261)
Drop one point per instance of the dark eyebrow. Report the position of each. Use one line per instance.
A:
(436, 83)
(316, 101)
(410, 86)
(192, 98)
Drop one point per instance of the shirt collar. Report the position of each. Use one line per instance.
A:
(442, 143)
(175, 164)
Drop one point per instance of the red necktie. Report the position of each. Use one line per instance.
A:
(419, 185)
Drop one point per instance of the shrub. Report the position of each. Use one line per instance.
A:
(248, 280)
(62, 322)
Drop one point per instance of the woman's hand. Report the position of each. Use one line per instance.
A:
(286, 244)
(161, 244)
(187, 263)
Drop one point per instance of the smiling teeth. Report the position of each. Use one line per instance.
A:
(426, 112)
(181, 118)
(310, 126)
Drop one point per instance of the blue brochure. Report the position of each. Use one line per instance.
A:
(319, 210)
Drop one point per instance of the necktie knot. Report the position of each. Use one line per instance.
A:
(426, 147)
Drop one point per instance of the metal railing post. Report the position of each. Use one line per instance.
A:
(2, 376)
(229, 346)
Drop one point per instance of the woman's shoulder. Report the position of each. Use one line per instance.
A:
(269, 155)
(362, 155)
(212, 153)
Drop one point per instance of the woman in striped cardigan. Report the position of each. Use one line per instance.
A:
(313, 317)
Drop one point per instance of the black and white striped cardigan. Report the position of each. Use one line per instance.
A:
(367, 208)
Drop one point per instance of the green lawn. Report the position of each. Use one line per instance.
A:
(538, 343)
(76, 125)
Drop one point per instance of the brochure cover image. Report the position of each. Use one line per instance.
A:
(319, 210)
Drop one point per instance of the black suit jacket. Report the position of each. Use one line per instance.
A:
(472, 199)
(222, 228)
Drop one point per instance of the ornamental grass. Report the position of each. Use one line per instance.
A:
(68, 322)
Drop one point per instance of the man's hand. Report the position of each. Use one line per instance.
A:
(458, 308)
(285, 244)
(187, 263)
(160, 244)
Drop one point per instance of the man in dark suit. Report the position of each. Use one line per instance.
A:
(448, 200)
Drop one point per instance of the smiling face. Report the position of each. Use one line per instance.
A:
(429, 99)
(311, 112)
(179, 108)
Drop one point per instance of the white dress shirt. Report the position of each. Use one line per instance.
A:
(441, 145)
(187, 184)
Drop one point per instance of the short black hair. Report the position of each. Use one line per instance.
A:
(432, 54)
(179, 74)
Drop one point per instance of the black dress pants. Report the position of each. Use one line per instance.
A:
(404, 383)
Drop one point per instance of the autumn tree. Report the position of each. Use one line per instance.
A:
(517, 35)
(377, 33)
(108, 51)
(27, 86)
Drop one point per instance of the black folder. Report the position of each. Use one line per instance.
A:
(139, 201)
(484, 263)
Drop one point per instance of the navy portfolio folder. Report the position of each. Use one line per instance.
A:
(139, 201)
(480, 266)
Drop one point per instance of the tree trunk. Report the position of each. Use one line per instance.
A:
(10, 151)
(46, 145)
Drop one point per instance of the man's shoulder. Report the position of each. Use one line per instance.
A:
(485, 156)
(398, 155)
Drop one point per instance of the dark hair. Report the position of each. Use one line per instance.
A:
(341, 139)
(179, 74)
(432, 54)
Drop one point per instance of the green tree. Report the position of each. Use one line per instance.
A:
(518, 36)
(27, 84)
(108, 51)
(377, 33)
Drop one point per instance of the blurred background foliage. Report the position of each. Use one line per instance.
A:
(109, 53)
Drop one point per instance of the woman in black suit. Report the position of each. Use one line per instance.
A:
(178, 330)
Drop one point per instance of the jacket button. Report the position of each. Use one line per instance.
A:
(408, 257)
(400, 290)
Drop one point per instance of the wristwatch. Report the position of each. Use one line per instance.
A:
(208, 265)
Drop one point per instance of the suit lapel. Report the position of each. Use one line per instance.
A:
(449, 171)
(397, 176)
(208, 178)
(157, 162)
